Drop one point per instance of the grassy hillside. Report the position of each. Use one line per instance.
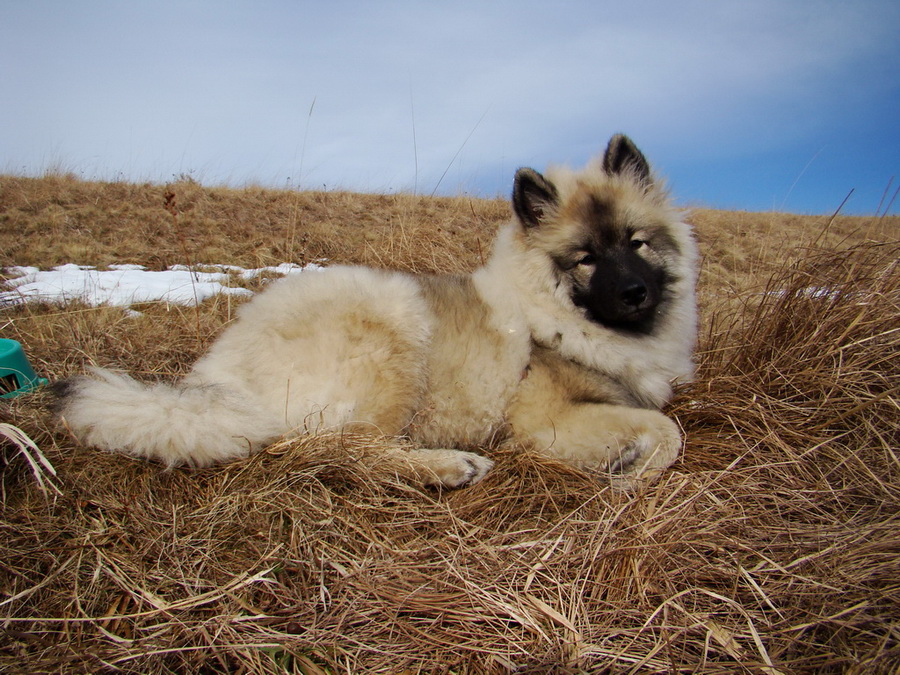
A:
(60, 219)
(772, 546)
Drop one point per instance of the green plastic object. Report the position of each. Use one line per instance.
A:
(16, 374)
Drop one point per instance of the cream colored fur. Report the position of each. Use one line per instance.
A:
(450, 362)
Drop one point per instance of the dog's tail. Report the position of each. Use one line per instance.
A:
(197, 425)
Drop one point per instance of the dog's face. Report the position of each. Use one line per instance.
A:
(606, 234)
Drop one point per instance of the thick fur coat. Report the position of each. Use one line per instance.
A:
(569, 339)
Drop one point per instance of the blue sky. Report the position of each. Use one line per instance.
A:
(742, 104)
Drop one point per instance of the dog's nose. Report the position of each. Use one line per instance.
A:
(634, 293)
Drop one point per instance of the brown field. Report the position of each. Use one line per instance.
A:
(772, 547)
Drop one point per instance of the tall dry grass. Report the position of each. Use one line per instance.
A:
(772, 547)
(59, 219)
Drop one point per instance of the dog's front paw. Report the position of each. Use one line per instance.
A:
(646, 456)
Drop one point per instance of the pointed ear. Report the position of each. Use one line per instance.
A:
(534, 197)
(623, 156)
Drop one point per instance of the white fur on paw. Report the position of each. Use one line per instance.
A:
(454, 468)
(478, 468)
(625, 459)
(644, 458)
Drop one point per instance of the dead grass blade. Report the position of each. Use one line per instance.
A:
(41, 468)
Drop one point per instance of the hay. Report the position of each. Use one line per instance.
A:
(23, 447)
(773, 546)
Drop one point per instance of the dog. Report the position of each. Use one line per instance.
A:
(568, 340)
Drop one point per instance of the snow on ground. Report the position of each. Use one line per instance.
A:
(124, 285)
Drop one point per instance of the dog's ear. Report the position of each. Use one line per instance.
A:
(534, 197)
(623, 156)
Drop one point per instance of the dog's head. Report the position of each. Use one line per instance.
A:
(608, 231)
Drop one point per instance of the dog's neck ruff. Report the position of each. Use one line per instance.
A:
(554, 322)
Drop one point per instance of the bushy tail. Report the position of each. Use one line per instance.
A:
(175, 424)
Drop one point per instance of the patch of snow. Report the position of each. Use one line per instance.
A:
(125, 285)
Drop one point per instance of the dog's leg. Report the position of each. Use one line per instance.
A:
(632, 445)
(441, 468)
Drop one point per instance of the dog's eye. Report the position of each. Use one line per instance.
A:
(637, 243)
(586, 259)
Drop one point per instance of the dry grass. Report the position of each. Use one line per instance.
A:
(66, 220)
(773, 547)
